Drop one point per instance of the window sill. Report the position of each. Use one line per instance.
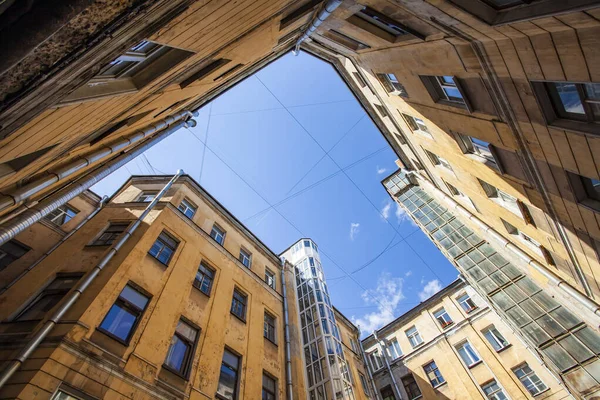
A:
(488, 163)
(474, 364)
(176, 373)
(158, 261)
(469, 311)
(580, 127)
(444, 327)
(590, 204)
(238, 317)
(542, 392)
(271, 341)
(440, 385)
(113, 337)
(504, 348)
(201, 291)
(418, 345)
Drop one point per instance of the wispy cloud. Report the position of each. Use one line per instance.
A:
(381, 170)
(407, 274)
(385, 211)
(354, 228)
(386, 297)
(430, 288)
(401, 215)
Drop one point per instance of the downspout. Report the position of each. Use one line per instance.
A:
(59, 173)
(288, 350)
(548, 274)
(83, 284)
(64, 239)
(387, 365)
(29, 217)
(365, 361)
(330, 6)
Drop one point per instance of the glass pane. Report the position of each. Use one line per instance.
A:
(559, 357)
(134, 297)
(590, 338)
(452, 92)
(177, 353)
(569, 98)
(40, 307)
(186, 331)
(592, 90)
(230, 359)
(227, 383)
(119, 322)
(576, 349)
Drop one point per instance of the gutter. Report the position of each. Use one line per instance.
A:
(325, 12)
(288, 350)
(387, 366)
(365, 361)
(57, 245)
(70, 299)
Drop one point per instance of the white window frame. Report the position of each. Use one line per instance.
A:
(393, 348)
(528, 377)
(414, 338)
(492, 396)
(496, 337)
(443, 321)
(375, 360)
(62, 215)
(146, 196)
(270, 279)
(469, 356)
(218, 232)
(187, 208)
(245, 255)
(465, 299)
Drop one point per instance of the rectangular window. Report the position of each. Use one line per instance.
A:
(413, 336)
(495, 338)
(461, 196)
(11, 251)
(345, 40)
(437, 160)
(433, 374)
(391, 84)
(269, 388)
(466, 303)
(147, 196)
(381, 110)
(468, 354)
(376, 361)
(269, 327)
(270, 279)
(493, 391)
(245, 257)
(204, 278)
(187, 208)
(443, 318)
(218, 234)
(354, 345)
(125, 314)
(417, 125)
(529, 379)
(110, 234)
(163, 248)
(387, 393)
(383, 22)
(526, 239)
(477, 147)
(446, 90)
(61, 215)
(393, 348)
(181, 351)
(52, 294)
(501, 198)
(364, 384)
(228, 378)
(411, 387)
(586, 190)
(238, 304)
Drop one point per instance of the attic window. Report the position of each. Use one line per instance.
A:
(345, 41)
(204, 71)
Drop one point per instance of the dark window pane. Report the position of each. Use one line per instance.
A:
(119, 322)
(177, 353)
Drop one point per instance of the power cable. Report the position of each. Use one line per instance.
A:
(281, 108)
(206, 138)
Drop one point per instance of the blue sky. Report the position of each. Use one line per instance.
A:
(293, 136)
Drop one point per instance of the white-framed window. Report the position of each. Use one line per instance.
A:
(270, 278)
(443, 318)
(375, 360)
(218, 234)
(529, 379)
(433, 374)
(393, 348)
(147, 196)
(468, 354)
(461, 196)
(245, 257)
(525, 239)
(391, 84)
(437, 160)
(187, 208)
(446, 90)
(495, 338)
(413, 336)
(477, 147)
(417, 125)
(501, 198)
(493, 391)
(61, 215)
(466, 303)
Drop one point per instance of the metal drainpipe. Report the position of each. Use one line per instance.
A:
(64, 239)
(330, 6)
(83, 284)
(387, 365)
(29, 217)
(288, 350)
(16, 196)
(551, 276)
(365, 361)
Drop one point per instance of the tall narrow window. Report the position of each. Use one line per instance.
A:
(181, 351)
(163, 248)
(493, 391)
(52, 294)
(269, 327)
(363, 382)
(468, 354)
(376, 361)
(417, 125)
(11, 251)
(187, 208)
(433, 374)
(393, 348)
(466, 303)
(110, 234)
(270, 278)
(218, 234)
(269, 388)
(204, 278)
(238, 304)
(529, 379)
(228, 378)
(381, 110)
(443, 318)
(125, 314)
(147, 196)
(413, 336)
(245, 257)
(62, 215)
(495, 338)
(411, 387)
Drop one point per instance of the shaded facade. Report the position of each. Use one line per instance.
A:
(454, 346)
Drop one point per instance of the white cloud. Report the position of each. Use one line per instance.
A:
(354, 228)
(431, 288)
(385, 211)
(401, 215)
(407, 274)
(386, 297)
(381, 170)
